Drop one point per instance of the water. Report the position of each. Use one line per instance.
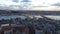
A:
(13, 16)
(56, 17)
(53, 17)
(23, 17)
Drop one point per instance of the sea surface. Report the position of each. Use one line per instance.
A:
(23, 17)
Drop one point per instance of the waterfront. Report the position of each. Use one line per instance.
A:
(56, 17)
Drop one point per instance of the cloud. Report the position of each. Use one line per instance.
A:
(39, 6)
(56, 4)
(49, 8)
(15, 1)
(34, 4)
(25, 1)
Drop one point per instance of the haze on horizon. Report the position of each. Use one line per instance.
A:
(30, 4)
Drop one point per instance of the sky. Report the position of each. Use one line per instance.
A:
(31, 4)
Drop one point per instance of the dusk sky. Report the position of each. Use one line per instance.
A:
(32, 4)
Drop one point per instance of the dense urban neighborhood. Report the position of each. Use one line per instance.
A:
(25, 22)
(29, 16)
